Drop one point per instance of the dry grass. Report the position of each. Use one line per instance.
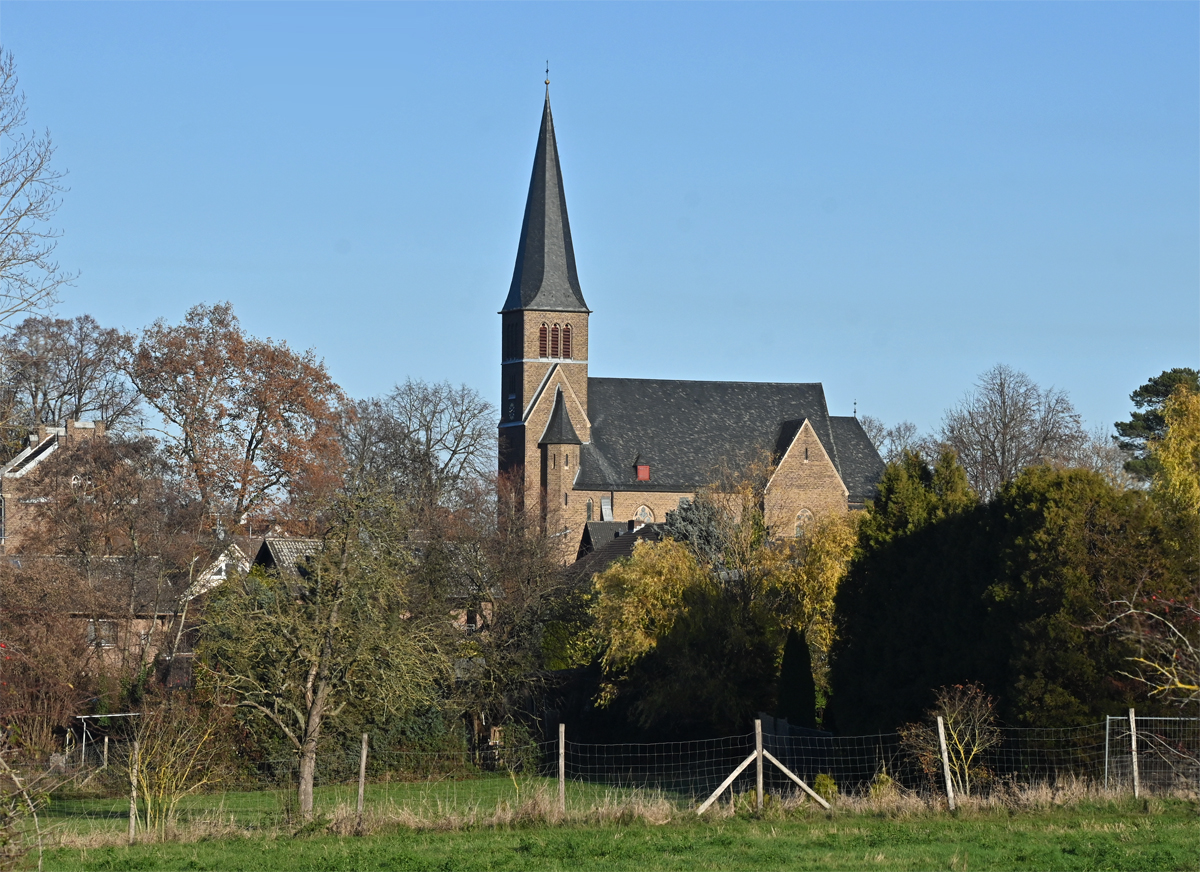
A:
(537, 806)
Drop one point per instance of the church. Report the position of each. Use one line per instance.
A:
(619, 449)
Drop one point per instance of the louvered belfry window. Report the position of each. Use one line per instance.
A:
(554, 341)
(542, 341)
(566, 341)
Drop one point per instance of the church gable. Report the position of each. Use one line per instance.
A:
(805, 484)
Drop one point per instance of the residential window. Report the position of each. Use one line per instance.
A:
(542, 334)
(566, 341)
(554, 349)
(102, 634)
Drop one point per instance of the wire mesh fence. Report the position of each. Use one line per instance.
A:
(469, 780)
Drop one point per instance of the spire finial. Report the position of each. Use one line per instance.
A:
(547, 75)
(855, 408)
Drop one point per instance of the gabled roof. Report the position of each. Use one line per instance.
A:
(611, 550)
(544, 276)
(688, 431)
(597, 533)
(286, 555)
(559, 430)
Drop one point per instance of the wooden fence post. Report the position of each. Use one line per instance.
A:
(758, 761)
(945, 762)
(1137, 786)
(133, 812)
(562, 768)
(105, 766)
(362, 778)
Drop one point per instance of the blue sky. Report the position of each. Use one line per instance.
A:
(887, 198)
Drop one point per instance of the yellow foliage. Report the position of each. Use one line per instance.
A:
(800, 577)
(637, 600)
(1178, 452)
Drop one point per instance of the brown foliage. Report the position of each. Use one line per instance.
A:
(249, 420)
(48, 669)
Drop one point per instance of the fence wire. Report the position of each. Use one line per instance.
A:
(1168, 758)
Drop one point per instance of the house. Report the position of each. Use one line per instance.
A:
(16, 507)
(591, 449)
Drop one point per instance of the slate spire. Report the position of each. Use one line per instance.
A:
(544, 277)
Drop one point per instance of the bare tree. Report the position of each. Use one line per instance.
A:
(58, 368)
(425, 442)
(29, 189)
(1009, 423)
(891, 442)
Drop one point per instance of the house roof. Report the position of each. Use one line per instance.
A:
(597, 533)
(544, 276)
(610, 550)
(687, 431)
(286, 555)
(559, 430)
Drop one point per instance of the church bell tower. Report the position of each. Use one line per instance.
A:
(544, 332)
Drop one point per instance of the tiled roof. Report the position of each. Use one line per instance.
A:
(687, 431)
(544, 276)
(286, 555)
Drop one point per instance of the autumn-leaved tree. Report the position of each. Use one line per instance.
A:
(296, 649)
(692, 629)
(110, 514)
(249, 421)
(1165, 625)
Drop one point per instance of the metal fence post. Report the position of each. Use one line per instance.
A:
(945, 762)
(758, 761)
(1137, 787)
(562, 768)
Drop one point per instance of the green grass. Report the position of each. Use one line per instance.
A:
(268, 808)
(1160, 835)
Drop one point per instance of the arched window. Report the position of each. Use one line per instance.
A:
(554, 341)
(542, 340)
(644, 515)
(804, 519)
(566, 341)
(591, 508)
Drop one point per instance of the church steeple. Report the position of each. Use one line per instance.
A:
(544, 277)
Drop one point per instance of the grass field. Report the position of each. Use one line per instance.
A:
(479, 824)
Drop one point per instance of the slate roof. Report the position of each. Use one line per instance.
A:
(686, 431)
(559, 430)
(544, 276)
(597, 533)
(859, 462)
(611, 550)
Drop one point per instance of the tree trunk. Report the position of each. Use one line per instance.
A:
(308, 768)
(308, 750)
